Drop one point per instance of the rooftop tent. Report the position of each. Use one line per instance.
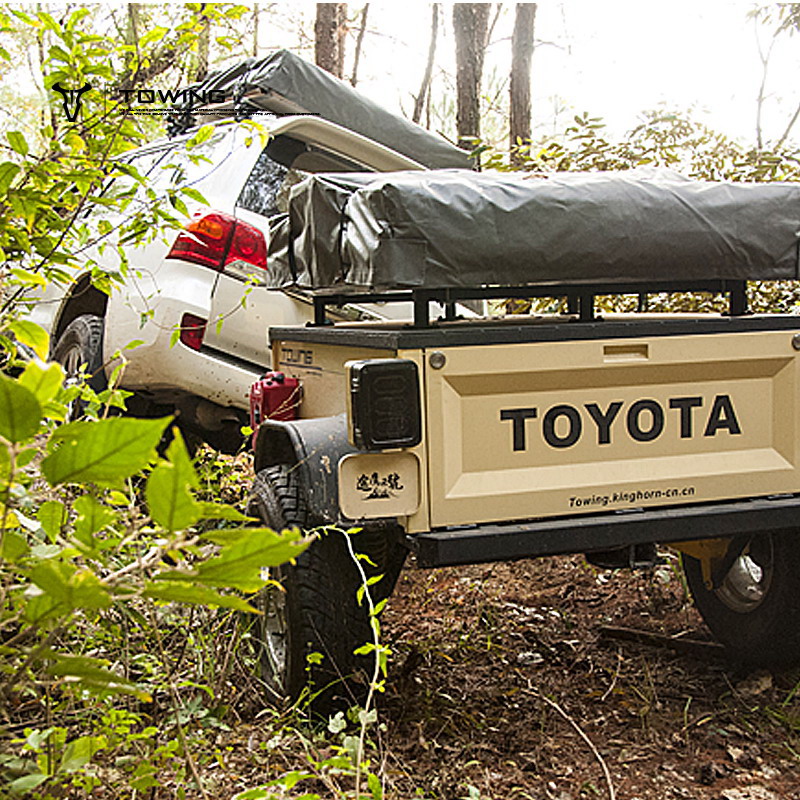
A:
(454, 228)
(284, 83)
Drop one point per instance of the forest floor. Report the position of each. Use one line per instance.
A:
(522, 680)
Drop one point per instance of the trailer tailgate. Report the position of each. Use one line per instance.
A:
(546, 429)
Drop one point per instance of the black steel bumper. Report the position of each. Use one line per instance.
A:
(509, 541)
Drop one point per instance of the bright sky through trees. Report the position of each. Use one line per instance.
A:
(612, 59)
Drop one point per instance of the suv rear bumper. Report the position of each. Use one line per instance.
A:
(564, 535)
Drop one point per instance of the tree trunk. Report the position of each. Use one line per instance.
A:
(425, 86)
(203, 42)
(470, 24)
(329, 32)
(255, 28)
(362, 29)
(521, 55)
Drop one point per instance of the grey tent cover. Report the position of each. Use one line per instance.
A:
(285, 83)
(456, 228)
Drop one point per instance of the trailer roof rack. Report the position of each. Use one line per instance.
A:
(580, 298)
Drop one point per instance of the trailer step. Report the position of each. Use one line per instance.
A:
(561, 536)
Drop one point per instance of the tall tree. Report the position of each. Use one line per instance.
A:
(362, 29)
(471, 25)
(520, 86)
(203, 42)
(330, 28)
(256, 15)
(425, 86)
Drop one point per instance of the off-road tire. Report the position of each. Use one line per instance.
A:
(321, 611)
(760, 628)
(81, 343)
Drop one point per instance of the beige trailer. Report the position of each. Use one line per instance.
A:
(471, 441)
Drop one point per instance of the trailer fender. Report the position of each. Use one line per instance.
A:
(313, 448)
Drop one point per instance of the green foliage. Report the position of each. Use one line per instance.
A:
(106, 549)
(665, 139)
(103, 452)
(72, 563)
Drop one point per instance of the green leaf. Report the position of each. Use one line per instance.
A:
(41, 609)
(104, 452)
(290, 779)
(178, 204)
(203, 135)
(8, 171)
(144, 777)
(29, 277)
(194, 195)
(78, 753)
(5, 465)
(44, 382)
(154, 35)
(118, 499)
(17, 142)
(20, 412)
(70, 587)
(92, 517)
(14, 547)
(27, 783)
(169, 498)
(240, 565)
(92, 674)
(254, 794)
(191, 593)
(226, 536)
(52, 515)
(74, 141)
(374, 784)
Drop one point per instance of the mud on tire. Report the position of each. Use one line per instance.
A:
(318, 610)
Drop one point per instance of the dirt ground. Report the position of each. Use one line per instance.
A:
(512, 681)
(524, 680)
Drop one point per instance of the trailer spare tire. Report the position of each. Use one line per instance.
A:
(755, 610)
(312, 622)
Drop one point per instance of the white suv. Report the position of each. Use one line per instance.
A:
(207, 280)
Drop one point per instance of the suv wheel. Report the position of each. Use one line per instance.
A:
(80, 349)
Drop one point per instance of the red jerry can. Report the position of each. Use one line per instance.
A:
(273, 396)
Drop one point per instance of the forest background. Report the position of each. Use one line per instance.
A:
(125, 667)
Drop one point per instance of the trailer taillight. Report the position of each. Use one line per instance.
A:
(215, 239)
(384, 403)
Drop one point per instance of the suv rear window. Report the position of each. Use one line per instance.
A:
(284, 162)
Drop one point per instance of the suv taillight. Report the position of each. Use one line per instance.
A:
(214, 239)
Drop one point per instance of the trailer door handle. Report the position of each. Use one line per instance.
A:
(626, 352)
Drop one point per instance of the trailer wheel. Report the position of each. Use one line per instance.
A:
(755, 611)
(312, 623)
